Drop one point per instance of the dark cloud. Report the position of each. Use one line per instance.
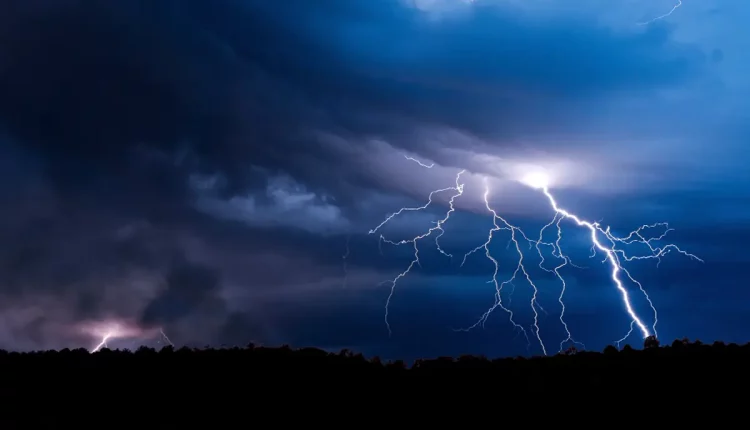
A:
(222, 85)
(189, 287)
(159, 156)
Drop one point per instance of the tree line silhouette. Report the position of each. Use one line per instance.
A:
(681, 365)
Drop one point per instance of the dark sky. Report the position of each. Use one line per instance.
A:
(202, 167)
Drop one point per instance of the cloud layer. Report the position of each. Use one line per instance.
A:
(186, 163)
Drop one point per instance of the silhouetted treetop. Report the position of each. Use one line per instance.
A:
(250, 366)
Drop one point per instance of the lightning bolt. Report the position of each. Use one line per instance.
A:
(565, 260)
(120, 330)
(613, 255)
(514, 233)
(602, 240)
(674, 8)
(458, 191)
(429, 166)
(165, 337)
(103, 343)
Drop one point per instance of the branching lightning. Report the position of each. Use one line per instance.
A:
(614, 255)
(602, 240)
(458, 190)
(515, 232)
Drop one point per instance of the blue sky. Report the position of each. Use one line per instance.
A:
(200, 167)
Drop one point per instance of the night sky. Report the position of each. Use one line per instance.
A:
(202, 167)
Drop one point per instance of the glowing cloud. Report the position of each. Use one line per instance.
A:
(538, 180)
(107, 331)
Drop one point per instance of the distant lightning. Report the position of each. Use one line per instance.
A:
(671, 11)
(103, 343)
(429, 166)
(602, 239)
(165, 337)
(111, 330)
(660, 17)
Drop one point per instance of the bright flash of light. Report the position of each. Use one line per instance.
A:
(538, 180)
(111, 330)
(103, 343)
(602, 240)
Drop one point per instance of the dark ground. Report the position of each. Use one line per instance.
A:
(185, 385)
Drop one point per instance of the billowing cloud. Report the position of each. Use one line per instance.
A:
(149, 145)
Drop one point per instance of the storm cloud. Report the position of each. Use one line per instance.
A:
(180, 162)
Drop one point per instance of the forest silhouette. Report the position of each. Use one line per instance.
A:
(679, 365)
(224, 387)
